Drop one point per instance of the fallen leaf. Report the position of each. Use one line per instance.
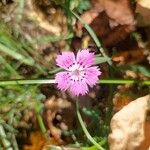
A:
(111, 20)
(143, 12)
(98, 21)
(146, 142)
(100, 24)
(120, 100)
(129, 127)
(130, 56)
(36, 140)
(120, 11)
(117, 34)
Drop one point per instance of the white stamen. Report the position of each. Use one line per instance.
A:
(76, 72)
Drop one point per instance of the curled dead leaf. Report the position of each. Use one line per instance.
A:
(128, 127)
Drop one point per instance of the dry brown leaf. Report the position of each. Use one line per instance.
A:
(120, 100)
(128, 127)
(98, 21)
(130, 56)
(88, 17)
(144, 3)
(117, 34)
(143, 11)
(100, 24)
(111, 20)
(37, 141)
(120, 11)
(97, 5)
(146, 142)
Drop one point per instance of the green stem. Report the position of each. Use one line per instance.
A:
(122, 81)
(90, 138)
(52, 81)
(23, 82)
(14, 143)
(20, 10)
(40, 121)
(93, 35)
(41, 124)
(4, 140)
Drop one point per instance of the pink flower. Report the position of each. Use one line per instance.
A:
(79, 72)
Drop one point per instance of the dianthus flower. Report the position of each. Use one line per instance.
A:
(79, 74)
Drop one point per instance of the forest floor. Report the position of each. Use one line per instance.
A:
(35, 114)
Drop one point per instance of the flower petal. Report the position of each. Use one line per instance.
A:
(91, 75)
(65, 60)
(85, 57)
(62, 80)
(78, 87)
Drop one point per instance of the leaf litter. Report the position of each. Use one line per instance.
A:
(113, 22)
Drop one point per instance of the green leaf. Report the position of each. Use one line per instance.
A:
(51, 38)
(141, 69)
(90, 112)
(137, 68)
(14, 54)
(55, 70)
(100, 60)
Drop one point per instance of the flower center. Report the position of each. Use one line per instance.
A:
(77, 72)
